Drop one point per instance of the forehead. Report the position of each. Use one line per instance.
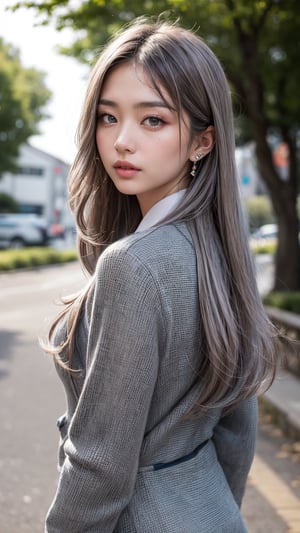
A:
(129, 81)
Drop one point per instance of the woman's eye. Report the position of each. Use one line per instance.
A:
(106, 118)
(153, 122)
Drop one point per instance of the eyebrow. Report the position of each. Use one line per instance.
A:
(139, 105)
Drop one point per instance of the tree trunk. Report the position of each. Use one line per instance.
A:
(287, 260)
(284, 199)
(283, 193)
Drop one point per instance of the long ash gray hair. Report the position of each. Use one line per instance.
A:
(239, 351)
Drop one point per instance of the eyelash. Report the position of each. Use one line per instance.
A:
(102, 116)
(159, 121)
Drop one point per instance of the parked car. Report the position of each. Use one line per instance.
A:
(19, 229)
(266, 234)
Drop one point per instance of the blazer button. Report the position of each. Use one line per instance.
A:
(61, 421)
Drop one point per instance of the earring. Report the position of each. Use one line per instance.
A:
(198, 157)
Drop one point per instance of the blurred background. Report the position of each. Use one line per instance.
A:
(46, 51)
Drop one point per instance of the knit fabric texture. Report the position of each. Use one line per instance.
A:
(138, 348)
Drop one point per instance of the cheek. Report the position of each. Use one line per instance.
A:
(167, 145)
(171, 153)
(98, 136)
(102, 143)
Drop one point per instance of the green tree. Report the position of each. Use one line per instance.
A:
(23, 96)
(258, 43)
(8, 204)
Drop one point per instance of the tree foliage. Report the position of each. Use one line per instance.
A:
(23, 96)
(8, 204)
(258, 43)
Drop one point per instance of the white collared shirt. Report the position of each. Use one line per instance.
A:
(160, 210)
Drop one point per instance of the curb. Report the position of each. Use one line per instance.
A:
(282, 402)
(282, 399)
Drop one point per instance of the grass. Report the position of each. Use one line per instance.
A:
(31, 257)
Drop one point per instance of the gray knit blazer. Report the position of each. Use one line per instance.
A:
(129, 460)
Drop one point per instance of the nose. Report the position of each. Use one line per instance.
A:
(124, 141)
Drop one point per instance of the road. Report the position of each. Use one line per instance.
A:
(30, 396)
(31, 399)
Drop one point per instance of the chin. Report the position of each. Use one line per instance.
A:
(123, 189)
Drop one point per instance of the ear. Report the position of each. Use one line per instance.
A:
(203, 143)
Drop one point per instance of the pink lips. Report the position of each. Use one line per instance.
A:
(125, 169)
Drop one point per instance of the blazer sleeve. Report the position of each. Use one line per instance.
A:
(234, 439)
(106, 432)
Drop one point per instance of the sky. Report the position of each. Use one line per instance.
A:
(65, 77)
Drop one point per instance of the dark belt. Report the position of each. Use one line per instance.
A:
(160, 466)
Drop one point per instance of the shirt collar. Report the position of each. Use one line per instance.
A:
(160, 210)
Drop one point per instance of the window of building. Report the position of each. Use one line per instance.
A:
(31, 208)
(31, 171)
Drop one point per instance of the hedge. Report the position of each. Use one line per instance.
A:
(259, 211)
(289, 301)
(264, 249)
(30, 257)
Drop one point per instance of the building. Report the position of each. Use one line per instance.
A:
(39, 186)
(250, 182)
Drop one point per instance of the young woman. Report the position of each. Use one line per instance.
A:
(162, 354)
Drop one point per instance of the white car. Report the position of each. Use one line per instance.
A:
(266, 234)
(19, 229)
